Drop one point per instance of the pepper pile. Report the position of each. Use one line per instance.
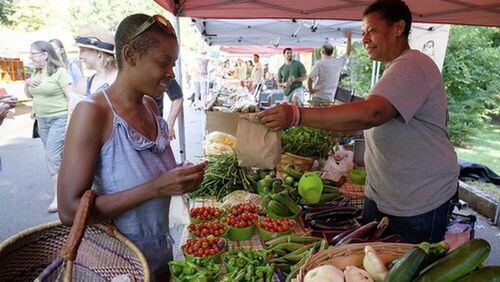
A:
(194, 270)
(247, 265)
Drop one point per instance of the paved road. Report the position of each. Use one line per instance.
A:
(25, 188)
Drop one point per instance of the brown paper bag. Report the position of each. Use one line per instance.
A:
(256, 145)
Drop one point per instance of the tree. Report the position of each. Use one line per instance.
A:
(109, 13)
(472, 79)
(5, 11)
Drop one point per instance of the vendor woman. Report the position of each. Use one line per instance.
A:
(412, 167)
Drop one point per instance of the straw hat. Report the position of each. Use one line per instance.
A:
(97, 38)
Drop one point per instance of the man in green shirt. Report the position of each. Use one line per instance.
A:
(290, 77)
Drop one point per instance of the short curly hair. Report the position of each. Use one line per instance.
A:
(143, 42)
(392, 11)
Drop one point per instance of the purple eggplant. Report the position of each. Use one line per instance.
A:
(362, 232)
(394, 238)
(379, 232)
(340, 236)
(342, 202)
(344, 212)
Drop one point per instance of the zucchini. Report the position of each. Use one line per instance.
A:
(484, 274)
(458, 263)
(406, 268)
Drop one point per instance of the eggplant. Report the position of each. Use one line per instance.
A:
(340, 226)
(342, 202)
(345, 212)
(394, 238)
(382, 225)
(340, 236)
(363, 232)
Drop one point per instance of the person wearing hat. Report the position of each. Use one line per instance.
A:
(325, 74)
(97, 53)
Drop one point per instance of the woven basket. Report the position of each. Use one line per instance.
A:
(101, 254)
(299, 162)
(352, 255)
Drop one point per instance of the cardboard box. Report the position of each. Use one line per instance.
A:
(223, 122)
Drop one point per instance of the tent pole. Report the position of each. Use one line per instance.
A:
(178, 75)
(374, 66)
(377, 75)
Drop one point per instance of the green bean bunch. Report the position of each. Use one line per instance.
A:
(223, 176)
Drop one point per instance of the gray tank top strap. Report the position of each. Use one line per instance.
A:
(109, 102)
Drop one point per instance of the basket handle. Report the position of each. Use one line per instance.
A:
(70, 248)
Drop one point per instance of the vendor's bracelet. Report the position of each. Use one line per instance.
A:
(295, 115)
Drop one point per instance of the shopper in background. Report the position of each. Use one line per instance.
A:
(97, 53)
(257, 76)
(50, 87)
(174, 93)
(74, 66)
(325, 74)
(290, 77)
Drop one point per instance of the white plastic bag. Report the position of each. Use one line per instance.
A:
(179, 210)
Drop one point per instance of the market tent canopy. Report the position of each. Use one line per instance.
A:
(275, 32)
(261, 49)
(468, 12)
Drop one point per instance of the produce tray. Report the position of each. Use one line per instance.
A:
(253, 242)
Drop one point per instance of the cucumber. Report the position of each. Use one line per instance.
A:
(330, 189)
(406, 268)
(484, 274)
(277, 208)
(290, 204)
(458, 263)
(293, 173)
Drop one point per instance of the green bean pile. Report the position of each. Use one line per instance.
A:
(223, 176)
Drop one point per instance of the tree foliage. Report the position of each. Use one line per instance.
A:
(5, 11)
(31, 15)
(472, 79)
(360, 67)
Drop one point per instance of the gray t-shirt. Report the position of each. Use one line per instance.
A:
(325, 74)
(411, 164)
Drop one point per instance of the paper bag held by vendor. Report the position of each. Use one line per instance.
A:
(256, 145)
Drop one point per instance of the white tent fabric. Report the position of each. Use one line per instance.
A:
(275, 32)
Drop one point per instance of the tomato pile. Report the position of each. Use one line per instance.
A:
(203, 247)
(205, 213)
(277, 224)
(241, 208)
(240, 220)
(214, 228)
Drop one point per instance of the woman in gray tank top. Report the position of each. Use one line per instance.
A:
(118, 144)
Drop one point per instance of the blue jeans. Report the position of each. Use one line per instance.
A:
(52, 131)
(429, 227)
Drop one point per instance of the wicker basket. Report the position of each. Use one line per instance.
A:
(299, 162)
(352, 255)
(98, 253)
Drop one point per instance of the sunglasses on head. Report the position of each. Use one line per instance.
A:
(160, 20)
